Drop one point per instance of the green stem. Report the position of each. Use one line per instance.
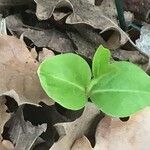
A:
(120, 11)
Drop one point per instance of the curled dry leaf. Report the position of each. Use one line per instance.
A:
(84, 13)
(73, 130)
(18, 71)
(79, 37)
(4, 107)
(22, 133)
(44, 12)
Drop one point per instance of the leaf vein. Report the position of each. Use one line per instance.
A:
(118, 90)
(71, 83)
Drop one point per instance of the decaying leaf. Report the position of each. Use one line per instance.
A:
(45, 9)
(11, 2)
(129, 135)
(18, 71)
(41, 115)
(5, 106)
(108, 8)
(132, 56)
(34, 53)
(82, 36)
(14, 23)
(82, 144)
(22, 133)
(73, 130)
(45, 53)
(85, 13)
(89, 14)
(6, 145)
(50, 38)
(82, 33)
(112, 133)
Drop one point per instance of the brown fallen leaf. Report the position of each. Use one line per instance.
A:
(85, 13)
(81, 37)
(5, 103)
(112, 133)
(45, 53)
(8, 3)
(82, 144)
(129, 135)
(23, 133)
(34, 53)
(132, 56)
(18, 71)
(50, 38)
(108, 8)
(6, 145)
(71, 131)
(45, 9)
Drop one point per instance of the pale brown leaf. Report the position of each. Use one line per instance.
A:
(134, 134)
(45, 53)
(82, 144)
(34, 52)
(71, 131)
(6, 145)
(19, 71)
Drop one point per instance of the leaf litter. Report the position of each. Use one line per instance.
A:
(77, 26)
(132, 134)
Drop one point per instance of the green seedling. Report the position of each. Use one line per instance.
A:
(118, 89)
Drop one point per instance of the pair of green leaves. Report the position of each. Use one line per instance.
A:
(118, 89)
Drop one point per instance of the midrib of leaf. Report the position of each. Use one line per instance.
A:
(96, 80)
(71, 83)
(121, 91)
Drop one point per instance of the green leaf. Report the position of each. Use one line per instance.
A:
(101, 62)
(123, 92)
(65, 78)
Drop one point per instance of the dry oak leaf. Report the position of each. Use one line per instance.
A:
(19, 71)
(5, 3)
(23, 133)
(6, 145)
(4, 107)
(129, 135)
(71, 131)
(82, 144)
(112, 133)
(83, 12)
(45, 53)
